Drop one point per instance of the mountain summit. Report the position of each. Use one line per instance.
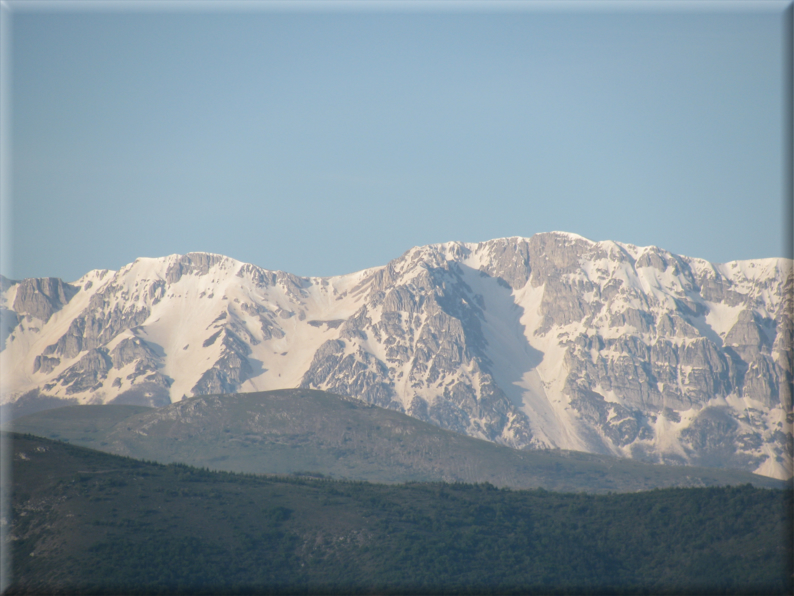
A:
(552, 341)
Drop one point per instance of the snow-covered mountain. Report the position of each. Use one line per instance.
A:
(552, 341)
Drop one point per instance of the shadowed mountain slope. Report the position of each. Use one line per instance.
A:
(307, 431)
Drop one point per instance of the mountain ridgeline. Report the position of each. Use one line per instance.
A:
(314, 433)
(552, 341)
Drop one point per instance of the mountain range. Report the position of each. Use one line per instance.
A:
(553, 341)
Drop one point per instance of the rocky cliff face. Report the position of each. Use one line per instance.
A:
(551, 341)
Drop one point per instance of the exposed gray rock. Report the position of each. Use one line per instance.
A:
(70, 344)
(267, 321)
(618, 424)
(434, 325)
(716, 288)
(642, 321)
(194, 263)
(230, 371)
(552, 255)
(131, 349)
(508, 261)
(156, 291)
(656, 258)
(708, 370)
(563, 304)
(761, 381)
(358, 373)
(332, 324)
(149, 374)
(713, 439)
(88, 373)
(746, 337)
(261, 277)
(103, 319)
(292, 285)
(42, 297)
(147, 364)
(211, 339)
(45, 365)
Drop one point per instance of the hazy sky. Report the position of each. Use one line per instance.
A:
(324, 141)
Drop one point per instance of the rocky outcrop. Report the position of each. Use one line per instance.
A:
(194, 263)
(45, 364)
(87, 373)
(99, 324)
(230, 371)
(508, 260)
(40, 298)
(132, 349)
(431, 332)
(666, 358)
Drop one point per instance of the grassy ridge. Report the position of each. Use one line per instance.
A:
(287, 431)
(92, 523)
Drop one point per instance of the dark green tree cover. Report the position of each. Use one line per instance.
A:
(85, 522)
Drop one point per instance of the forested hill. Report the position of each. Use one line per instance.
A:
(92, 523)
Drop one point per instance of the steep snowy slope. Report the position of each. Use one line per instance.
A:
(165, 328)
(551, 341)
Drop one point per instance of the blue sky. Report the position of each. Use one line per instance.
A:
(326, 140)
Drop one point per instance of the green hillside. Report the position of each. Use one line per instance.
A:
(297, 430)
(86, 522)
